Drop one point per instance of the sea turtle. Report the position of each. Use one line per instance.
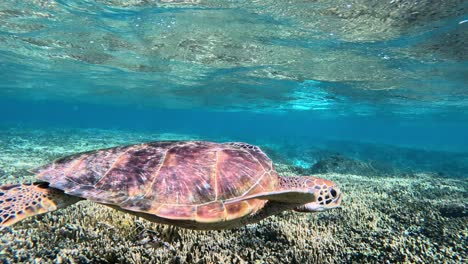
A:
(191, 184)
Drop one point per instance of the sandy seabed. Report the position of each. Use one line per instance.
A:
(406, 217)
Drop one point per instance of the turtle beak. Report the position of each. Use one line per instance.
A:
(337, 202)
(337, 198)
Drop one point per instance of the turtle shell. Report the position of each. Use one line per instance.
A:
(174, 180)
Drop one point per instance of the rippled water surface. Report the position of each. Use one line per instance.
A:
(341, 57)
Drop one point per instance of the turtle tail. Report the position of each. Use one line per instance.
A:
(19, 201)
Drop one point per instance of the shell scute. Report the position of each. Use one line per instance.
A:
(255, 152)
(211, 212)
(183, 212)
(132, 172)
(80, 169)
(237, 210)
(237, 173)
(187, 176)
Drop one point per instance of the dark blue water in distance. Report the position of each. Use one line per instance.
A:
(431, 133)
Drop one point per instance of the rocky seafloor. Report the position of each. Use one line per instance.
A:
(386, 217)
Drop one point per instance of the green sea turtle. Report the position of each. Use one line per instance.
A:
(191, 184)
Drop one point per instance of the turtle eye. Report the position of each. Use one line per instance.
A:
(333, 192)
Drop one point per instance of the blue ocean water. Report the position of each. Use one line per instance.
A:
(303, 73)
(372, 95)
(295, 72)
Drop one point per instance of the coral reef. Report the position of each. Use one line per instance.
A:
(341, 164)
(418, 218)
(372, 159)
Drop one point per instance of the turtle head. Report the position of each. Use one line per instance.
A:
(327, 194)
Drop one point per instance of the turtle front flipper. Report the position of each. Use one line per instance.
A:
(282, 196)
(19, 201)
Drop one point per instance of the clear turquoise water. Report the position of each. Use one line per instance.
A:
(305, 73)
(376, 91)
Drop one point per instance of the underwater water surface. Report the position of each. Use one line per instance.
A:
(371, 94)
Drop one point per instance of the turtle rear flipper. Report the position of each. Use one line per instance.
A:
(19, 201)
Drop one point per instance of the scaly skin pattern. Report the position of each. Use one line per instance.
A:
(186, 183)
(19, 201)
(327, 194)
